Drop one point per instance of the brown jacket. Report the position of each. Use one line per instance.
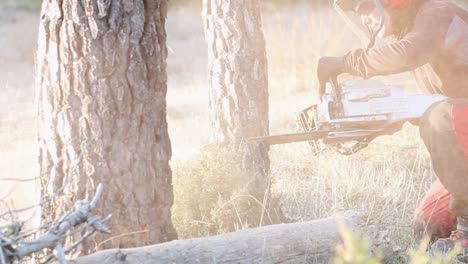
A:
(436, 48)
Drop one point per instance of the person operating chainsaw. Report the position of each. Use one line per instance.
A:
(430, 39)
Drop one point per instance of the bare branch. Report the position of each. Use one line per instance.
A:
(2, 256)
(60, 254)
(91, 223)
(5, 239)
(97, 196)
(121, 235)
(9, 192)
(12, 243)
(81, 240)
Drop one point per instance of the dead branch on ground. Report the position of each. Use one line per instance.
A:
(15, 247)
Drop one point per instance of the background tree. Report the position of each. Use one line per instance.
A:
(238, 77)
(101, 98)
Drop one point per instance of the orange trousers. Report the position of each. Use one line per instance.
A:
(444, 130)
(433, 216)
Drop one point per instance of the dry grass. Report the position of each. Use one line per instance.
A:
(386, 180)
(214, 194)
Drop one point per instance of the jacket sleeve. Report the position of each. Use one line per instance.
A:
(415, 49)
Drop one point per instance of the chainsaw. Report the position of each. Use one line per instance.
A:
(355, 113)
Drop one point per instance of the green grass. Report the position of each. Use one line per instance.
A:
(29, 5)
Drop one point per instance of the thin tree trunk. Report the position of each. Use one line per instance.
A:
(237, 69)
(101, 99)
(238, 80)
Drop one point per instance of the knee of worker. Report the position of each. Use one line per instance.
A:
(424, 228)
(435, 123)
(435, 226)
(433, 217)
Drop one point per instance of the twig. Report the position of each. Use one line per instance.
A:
(30, 232)
(81, 240)
(10, 191)
(97, 196)
(118, 236)
(266, 200)
(68, 221)
(59, 191)
(201, 222)
(68, 250)
(12, 244)
(6, 239)
(60, 254)
(2, 256)
(85, 236)
(93, 223)
(19, 180)
(8, 216)
(238, 215)
(244, 196)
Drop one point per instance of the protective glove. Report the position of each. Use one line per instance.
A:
(328, 69)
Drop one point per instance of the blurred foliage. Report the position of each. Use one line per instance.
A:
(29, 4)
(421, 256)
(356, 250)
(214, 194)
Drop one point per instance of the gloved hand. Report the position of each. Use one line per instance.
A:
(328, 69)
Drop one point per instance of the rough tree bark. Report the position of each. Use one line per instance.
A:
(308, 242)
(238, 77)
(101, 98)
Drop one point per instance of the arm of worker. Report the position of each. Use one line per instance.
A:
(418, 47)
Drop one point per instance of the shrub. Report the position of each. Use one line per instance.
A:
(215, 194)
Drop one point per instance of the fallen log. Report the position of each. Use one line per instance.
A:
(306, 242)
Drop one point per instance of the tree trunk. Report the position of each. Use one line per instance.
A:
(308, 242)
(237, 69)
(101, 98)
(238, 80)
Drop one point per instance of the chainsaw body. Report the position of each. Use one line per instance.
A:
(357, 112)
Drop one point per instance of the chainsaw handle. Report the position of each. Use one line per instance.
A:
(335, 88)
